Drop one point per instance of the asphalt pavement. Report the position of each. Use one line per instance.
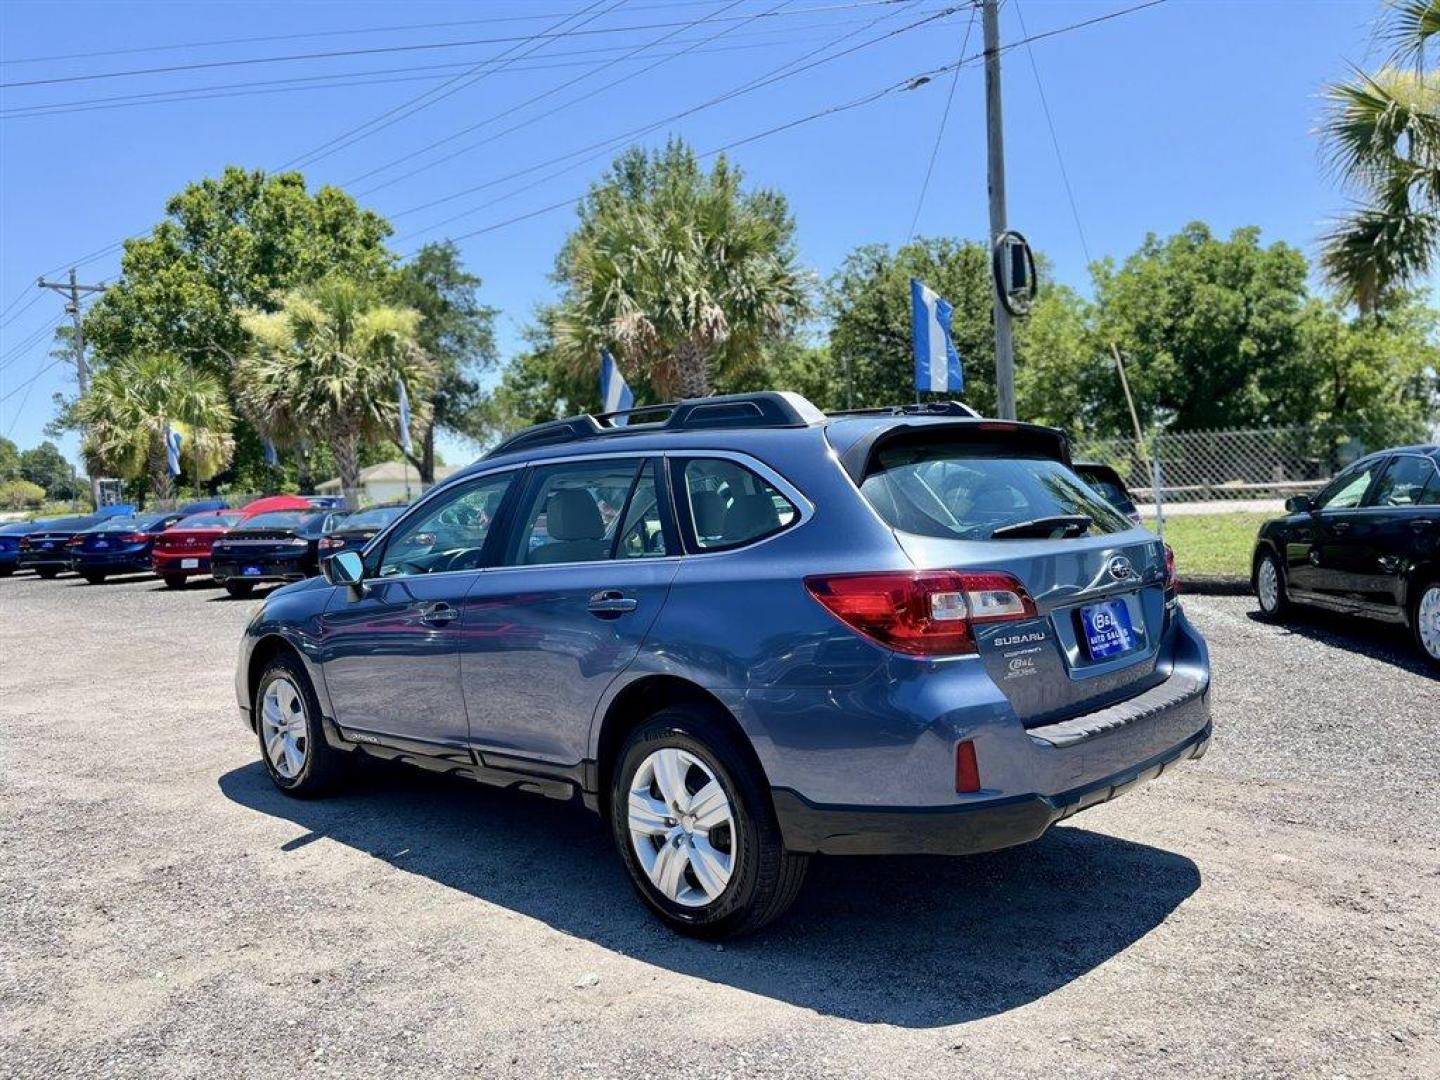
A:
(1272, 910)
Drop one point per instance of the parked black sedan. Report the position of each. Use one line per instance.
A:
(1367, 544)
(356, 530)
(283, 545)
(1107, 482)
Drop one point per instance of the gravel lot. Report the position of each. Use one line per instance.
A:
(1273, 910)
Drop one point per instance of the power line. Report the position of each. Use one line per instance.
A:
(538, 97)
(914, 82)
(940, 134)
(787, 70)
(216, 42)
(1054, 140)
(14, 352)
(33, 301)
(593, 151)
(376, 50)
(419, 103)
(32, 378)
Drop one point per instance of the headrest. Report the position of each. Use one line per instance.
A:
(750, 515)
(709, 510)
(571, 514)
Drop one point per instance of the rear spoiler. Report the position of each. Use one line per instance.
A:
(1034, 439)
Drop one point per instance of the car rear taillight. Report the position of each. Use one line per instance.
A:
(25, 543)
(75, 541)
(134, 538)
(328, 542)
(925, 612)
(1172, 579)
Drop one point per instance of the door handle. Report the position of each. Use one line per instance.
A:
(1340, 527)
(611, 602)
(1421, 524)
(438, 614)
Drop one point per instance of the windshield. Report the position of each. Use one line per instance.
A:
(962, 492)
(208, 521)
(281, 519)
(372, 518)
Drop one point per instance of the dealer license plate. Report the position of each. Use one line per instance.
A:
(189, 564)
(250, 571)
(1108, 630)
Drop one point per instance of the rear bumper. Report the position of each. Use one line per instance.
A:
(170, 565)
(965, 829)
(117, 563)
(223, 570)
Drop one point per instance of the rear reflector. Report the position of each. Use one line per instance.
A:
(922, 613)
(967, 772)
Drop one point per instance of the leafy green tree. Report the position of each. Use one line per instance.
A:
(457, 332)
(1206, 327)
(46, 466)
(1381, 137)
(230, 244)
(678, 272)
(9, 460)
(20, 495)
(132, 405)
(326, 368)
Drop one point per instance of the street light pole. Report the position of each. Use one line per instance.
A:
(77, 341)
(995, 157)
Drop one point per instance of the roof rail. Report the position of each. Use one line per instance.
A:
(916, 408)
(762, 409)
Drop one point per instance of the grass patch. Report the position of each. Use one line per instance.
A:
(1213, 544)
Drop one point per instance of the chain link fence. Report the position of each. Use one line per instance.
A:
(1259, 464)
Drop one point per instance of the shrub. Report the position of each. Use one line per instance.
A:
(21, 495)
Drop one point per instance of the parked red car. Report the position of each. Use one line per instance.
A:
(183, 550)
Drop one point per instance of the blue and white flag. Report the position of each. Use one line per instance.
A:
(937, 364)
(271, 457)
(615, 395)
(173, 439)
(405, 443)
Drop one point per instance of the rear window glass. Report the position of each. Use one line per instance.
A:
(207, 521)
(729, 505)
(969, 492)
(281, 519)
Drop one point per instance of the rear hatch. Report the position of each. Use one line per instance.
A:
(994, 498)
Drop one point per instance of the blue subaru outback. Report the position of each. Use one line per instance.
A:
(746, 632)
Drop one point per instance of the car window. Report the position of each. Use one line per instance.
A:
(642, 536)
(965, 491)
(729, 505)
(1403, 482)
(572, 512)
(1347, 489)
(448, 534)
(1431, 495)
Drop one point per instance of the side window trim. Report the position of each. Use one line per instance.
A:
(675, 465)
(1378, 466)
(515, 522)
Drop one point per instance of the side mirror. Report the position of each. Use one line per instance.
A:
(1299, 504)
(344, 568)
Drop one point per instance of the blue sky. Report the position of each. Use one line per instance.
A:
(1193, 109)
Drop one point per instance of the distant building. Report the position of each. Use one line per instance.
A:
(385, 482)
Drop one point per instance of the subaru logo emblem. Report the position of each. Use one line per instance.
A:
(1120, 568)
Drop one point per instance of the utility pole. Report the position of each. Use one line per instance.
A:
(82, 373)
(995, 156)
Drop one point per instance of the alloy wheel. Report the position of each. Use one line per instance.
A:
(1428, 620)
(282, 728)
(682, 827)
(1268, 585)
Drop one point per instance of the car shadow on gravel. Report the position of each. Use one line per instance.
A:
(1388, 642)
(915, 942)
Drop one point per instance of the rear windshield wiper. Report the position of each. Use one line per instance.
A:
(1057, 526)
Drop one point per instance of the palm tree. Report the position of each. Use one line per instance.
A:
(677, 272)
(326, 368)
(131, 406)
(1381, 137)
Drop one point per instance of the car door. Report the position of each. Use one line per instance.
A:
(391, 653)
(1404, 529)
(587, 563)
(1321, 556)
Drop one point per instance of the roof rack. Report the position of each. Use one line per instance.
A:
(763, 409)
(917, 408)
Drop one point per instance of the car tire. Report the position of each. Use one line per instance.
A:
(1270, 588)
(286, 716)
(1425, 620)
(47, 572)
(173, 581)
(239, 589)
(734, 878)
(93, 579)
(6, 571)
